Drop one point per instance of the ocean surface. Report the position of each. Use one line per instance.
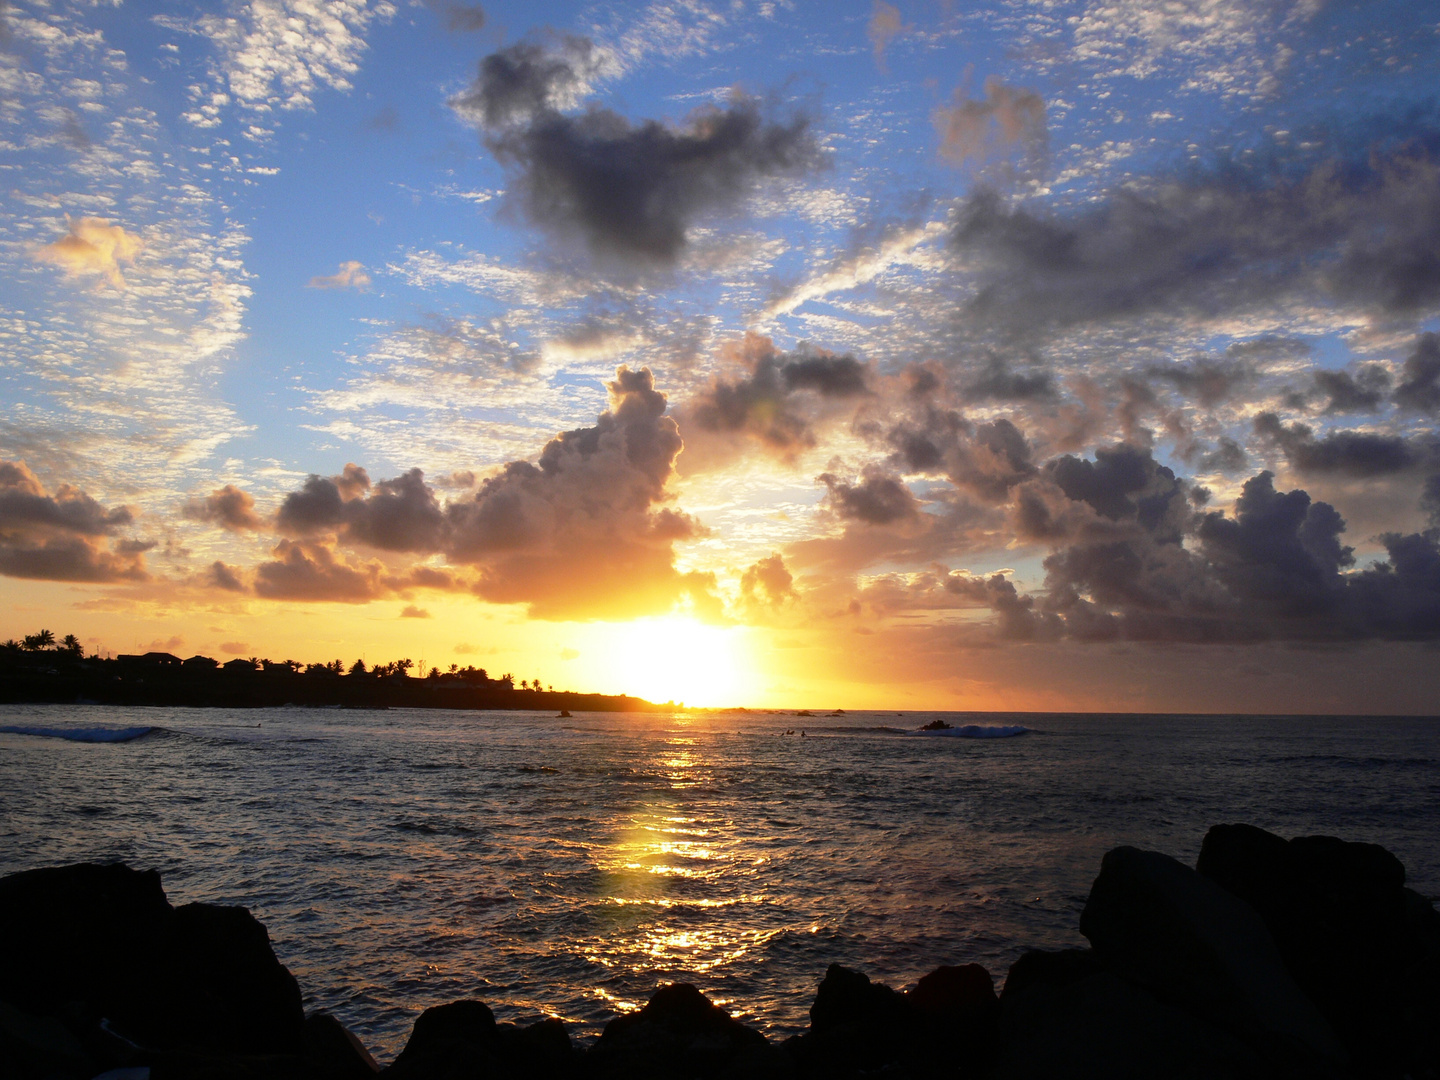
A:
(406, 858)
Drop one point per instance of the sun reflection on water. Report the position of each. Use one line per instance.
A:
(664, 873)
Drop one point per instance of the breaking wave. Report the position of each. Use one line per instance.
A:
(87, 734)
(976, 731)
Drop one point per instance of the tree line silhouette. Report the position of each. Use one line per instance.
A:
(38, 668)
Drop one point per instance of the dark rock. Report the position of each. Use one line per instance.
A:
(1101, 1027)
(462, 1041)
(1056, 968)
(454, 1040)
(541, 1049)
(100, 948)
(679, 1035)
(219, 989)
(1354, 938)
(1194, 945)
(947, 1024)
(78, 937)
(334, 1051)
(41, 1048)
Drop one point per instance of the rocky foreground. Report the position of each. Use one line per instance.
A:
(1272, 958)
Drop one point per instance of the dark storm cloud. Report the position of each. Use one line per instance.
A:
(1123, 483)
(526, 80)
(228, 507)
(1133, 561)
(777, 402)
(398, 515)
(1420, 388)
(1364, 234)
(998, 381)
(1208, 381)
(62, 536)
(1345, 453)
(1227, 457)
(987, 460)
(1364, 391)
(877, 499)
(1016, 616)
(630, 191)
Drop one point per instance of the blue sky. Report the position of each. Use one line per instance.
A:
(975, 322)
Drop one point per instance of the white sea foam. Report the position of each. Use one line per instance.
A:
(88, 734)
(977, 731)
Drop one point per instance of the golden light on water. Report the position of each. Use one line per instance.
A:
(660, 859)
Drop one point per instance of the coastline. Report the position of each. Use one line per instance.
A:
(1306, 957)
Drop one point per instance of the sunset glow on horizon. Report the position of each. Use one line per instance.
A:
(871, 355)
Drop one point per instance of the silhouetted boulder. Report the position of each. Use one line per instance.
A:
(219, 989)
(947, 1023)
(1054, 968)
(679, 1035)
(1364, 948)
(462, 1041)
(41, 1048)
(1195, 946)
(454, 1040)
(334, 1052)
(100, 949)
(1072, 1019)
(78, 937)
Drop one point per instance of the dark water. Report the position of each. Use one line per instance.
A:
(401, 859)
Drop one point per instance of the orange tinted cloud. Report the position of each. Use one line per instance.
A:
(974, 130)
(93, 246)
(350, 275)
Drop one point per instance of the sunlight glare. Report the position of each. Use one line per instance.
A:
(678, 659)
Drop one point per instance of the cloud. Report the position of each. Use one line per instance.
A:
(62, 537)
(350, 275)
(987, 460)
(312, 571)
(1363, 391)
(276, 54)
(93, 246)
(458, 18)
(777, 403)
(1420, 388)
(997, 381)
(219, 576)
(1347, 453)
(229, 507)
(629, 192)
(235, 648)
(1138, 565)
(976, 130)
(584, 532)
(767, 583)
(410, 611)
(878, 499)
(885, 26)
(523, 82)
(1363, 235)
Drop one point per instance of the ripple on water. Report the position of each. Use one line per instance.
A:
(401, 859)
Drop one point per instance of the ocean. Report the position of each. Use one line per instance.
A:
(566, 867)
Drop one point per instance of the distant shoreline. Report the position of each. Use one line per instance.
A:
(53, 678)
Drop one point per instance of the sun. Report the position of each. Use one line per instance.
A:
(678, 659)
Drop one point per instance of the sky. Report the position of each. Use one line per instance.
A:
(1027, 355)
